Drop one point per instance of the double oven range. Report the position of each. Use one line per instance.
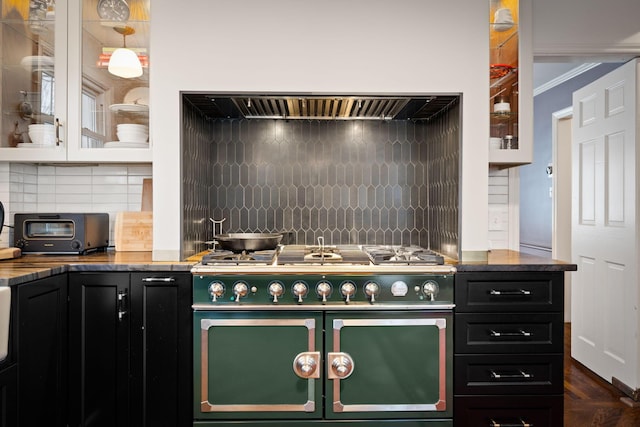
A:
(325, 335)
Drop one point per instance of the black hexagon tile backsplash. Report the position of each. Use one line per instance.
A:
(351, 182)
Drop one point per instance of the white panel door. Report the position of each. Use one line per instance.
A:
(604, 215)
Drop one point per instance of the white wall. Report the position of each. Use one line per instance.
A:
(329, 46)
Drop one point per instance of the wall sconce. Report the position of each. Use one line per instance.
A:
(125, 62)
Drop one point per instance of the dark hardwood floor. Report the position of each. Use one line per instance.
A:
(591, 401)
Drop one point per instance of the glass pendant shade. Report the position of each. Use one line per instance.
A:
(125, 63)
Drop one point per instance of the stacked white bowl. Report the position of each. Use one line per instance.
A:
(42, 134)
(129, 132)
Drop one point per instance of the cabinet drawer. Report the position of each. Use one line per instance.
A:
(509, 333)
(509, 374)
(511, 411)
(499, 292)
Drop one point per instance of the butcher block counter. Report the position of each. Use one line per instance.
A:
(31, 267)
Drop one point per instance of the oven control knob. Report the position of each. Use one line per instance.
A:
(216, 290)
(300, 290)
(430, 289)
(324, 290)
(240, 289)
(276, 290)
(347, 289)
(371, 289)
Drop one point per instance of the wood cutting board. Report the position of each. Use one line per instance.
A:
(147, 195)
(10, 253)
(134, 231)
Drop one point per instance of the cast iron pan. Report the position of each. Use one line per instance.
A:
(238, 242)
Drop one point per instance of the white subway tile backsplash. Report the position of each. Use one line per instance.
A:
(73, 189)
(135, 180)
(109, 189)
(109, 180)
(47, 188)
(46, 170)
(46, 207)
(83, 198)
(110, 170)
(109, 198)
(72, 180)
(144, 171)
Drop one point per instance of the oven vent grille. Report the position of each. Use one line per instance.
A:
(319, 108)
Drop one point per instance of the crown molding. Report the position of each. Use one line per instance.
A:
(565, 77)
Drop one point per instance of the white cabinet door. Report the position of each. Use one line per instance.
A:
(33, 42)
(99, 100)
(604, 232)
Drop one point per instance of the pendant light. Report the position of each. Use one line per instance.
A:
(125, 62)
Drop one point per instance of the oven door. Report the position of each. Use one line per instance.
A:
(257, 365)
(389, 364)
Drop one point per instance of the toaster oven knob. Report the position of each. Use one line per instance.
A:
(21, 243)
(371, 289)
(324, 290)
(430, 289)
(347, 289)
(276, 290)
(216, 290)
(300, 290)
(75, 245)
(240, 290)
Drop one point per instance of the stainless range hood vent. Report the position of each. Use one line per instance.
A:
(320, 108)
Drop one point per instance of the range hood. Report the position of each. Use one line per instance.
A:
(320, 108)
(309, 107)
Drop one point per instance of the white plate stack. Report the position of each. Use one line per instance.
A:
(42, 135)
(130, 135)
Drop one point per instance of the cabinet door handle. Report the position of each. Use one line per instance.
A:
(520, 375)
(519, 333)
(513, 292)
(122, 304)
(159, 279)
(520, 423)
(58, 125)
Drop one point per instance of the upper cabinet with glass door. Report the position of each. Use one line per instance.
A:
(511, 98)
(109, 90)
(33, 76)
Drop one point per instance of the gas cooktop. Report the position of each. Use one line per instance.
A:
(327, 255)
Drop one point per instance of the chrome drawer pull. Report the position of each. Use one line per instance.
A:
(122, 304)
(522, 423)
(159, 279)
(517, 292)
(519, 333)
(520, 375)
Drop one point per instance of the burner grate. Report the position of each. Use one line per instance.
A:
(219, 257)
(403, 255)
(301, 254)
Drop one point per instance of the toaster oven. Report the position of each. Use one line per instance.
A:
(61, 233)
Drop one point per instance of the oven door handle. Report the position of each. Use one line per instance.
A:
(306, 364)
(339, 365)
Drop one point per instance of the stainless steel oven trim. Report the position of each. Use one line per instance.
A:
(207, 406)
(440, 405)
(323, 307)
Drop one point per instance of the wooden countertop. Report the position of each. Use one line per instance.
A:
(31, 267)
